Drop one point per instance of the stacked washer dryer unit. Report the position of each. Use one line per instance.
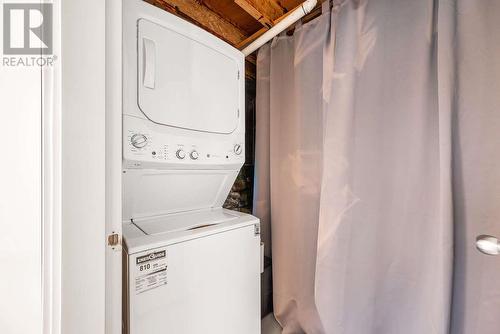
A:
(190, 267)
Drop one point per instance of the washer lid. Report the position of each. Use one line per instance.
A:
(184, 221)
(151, 193)
(174, 228)
(186, 83)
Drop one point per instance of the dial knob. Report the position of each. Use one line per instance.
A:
(238, 149)
(139, 140)
(180, 154)
(194, 155)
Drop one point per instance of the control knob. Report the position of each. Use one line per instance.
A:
(238, 149)
(180, 154)
(194, 155)
(139, 140)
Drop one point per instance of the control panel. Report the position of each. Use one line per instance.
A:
(144, 145)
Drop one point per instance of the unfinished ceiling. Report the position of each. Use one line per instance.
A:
(238, 22)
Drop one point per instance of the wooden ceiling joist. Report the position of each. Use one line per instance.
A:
(268, 8)
(251, 38)
(247, 7)
(199, 14)
(260, 32)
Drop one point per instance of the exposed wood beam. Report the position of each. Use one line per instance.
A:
(199, 14)
(257, 34)
(262, 18)
(269, 8)
(251, 38)
(260, 32)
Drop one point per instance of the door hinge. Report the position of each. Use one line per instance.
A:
(114, 240)
(238, 74)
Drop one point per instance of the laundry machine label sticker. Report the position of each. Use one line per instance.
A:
(150, 271)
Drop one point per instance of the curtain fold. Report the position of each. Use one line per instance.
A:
(384, 237)
(476, 165)
(383, 122)
(293, 118)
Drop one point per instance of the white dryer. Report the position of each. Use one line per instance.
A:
(190, 266)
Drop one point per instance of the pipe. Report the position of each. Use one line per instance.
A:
(304, 9)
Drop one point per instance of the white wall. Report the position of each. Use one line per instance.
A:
(20, 200)
(83, 166)
(113, 163)
(57, 273)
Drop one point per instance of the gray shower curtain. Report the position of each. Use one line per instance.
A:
(378, 164)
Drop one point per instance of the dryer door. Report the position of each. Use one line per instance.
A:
(184, 83)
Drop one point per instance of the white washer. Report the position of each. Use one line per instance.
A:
(193, 273)
(190, 266)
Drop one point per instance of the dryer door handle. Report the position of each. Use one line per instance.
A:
(148, 62)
